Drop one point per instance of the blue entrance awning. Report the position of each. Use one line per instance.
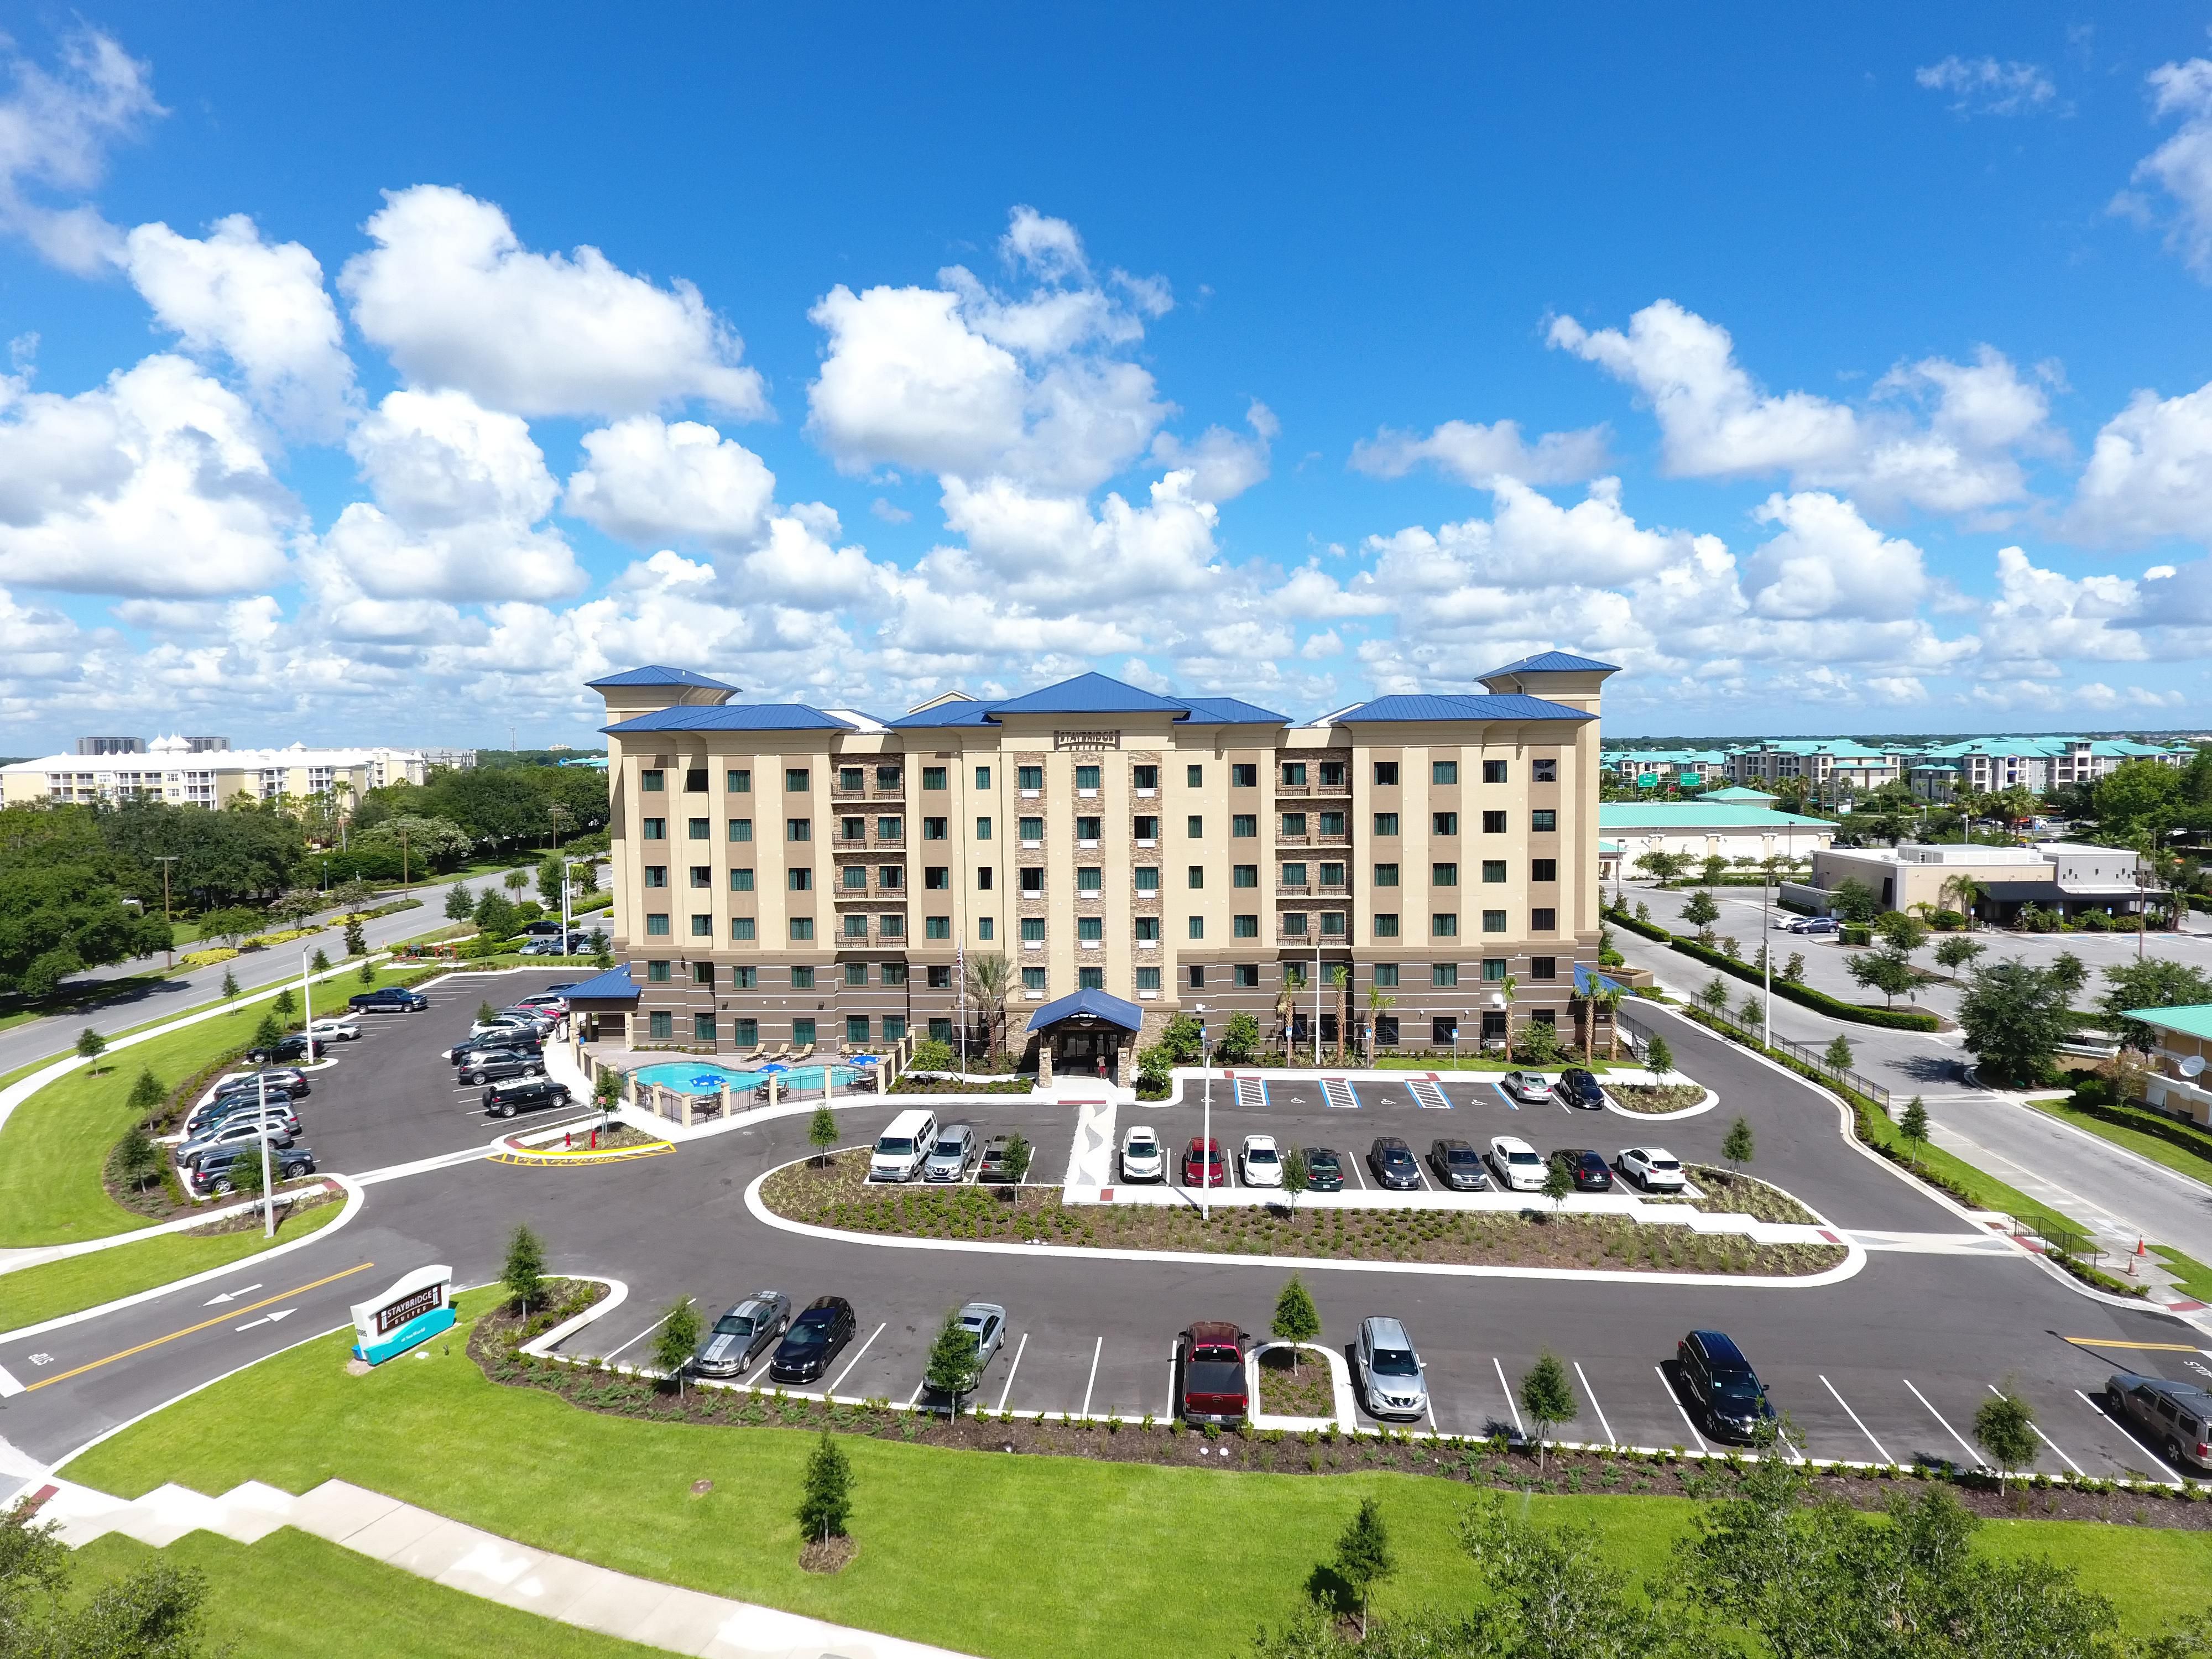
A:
(613, 985)
(1096, 1004)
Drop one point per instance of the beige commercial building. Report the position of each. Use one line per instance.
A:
(172, 770)
(2062, 878)
(789, 874)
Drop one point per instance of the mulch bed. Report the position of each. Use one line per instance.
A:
(838, 1195)
(1654, 1096)
(1724, 1192)
(1496, 1463)
(1303, 1390)
(611, 1139)
(828, 1555)
(294, 1200)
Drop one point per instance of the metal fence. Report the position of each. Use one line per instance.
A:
(1812, 1059)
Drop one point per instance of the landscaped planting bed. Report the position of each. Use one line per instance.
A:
(838, 1195)
(1301, 1389)
(1725, 1192)
(1656, 1097)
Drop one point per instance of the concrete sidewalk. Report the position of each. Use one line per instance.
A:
(479, 1563)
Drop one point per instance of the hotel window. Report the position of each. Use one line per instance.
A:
(802, 931)
(1090, 979)
(1294, 773)
(656, 973)
(1543, 921)
(794, 778)
(1294, 824)
(1443, 875)
(887, 777)
(1386, 924)
(660, 1024)
(1547, 771)
(935, 830)
(1032, 829)
(1493, 771)
(1032, 930)
(1086, 777)
(1148, 878)
(1543, 967)
(1032, 883)
(1086, 829)
(1197, 875)
(1493, 921)
(1443, 772)
(1443, 823)
(703, 927)
(1386, 823)
(1542, 869)
(1386, 975)
(798, 829)
(1148, 829)
(1089, 930)
(703, 875)
(1245, 975)
(1493, 869)
(1029, 777)
(890, 926)
(802, 979)
(1194, 776)
(856, 1028)
(741, 931)
(936, 878)
(656, 925)
(1143, 777)
(1386, 875)
(891, 828)
(1294, 875)
(982, 828)
(982, 777)
(1544, 819)
(856, 925)
(1332, 875)
(1198, 926)
(1493, 969)
(939, 978)
(1493, 824)
(699, 830)
(802, 1032)
(654, 829)
(1444, 976)
(854, 778)
(891, 877)
(656, 875)
(1197, 975)
(986, 929)
(1090, 879)
(1332, 924)
(1386, 774)
(1332, 774)
(1294, 924)
(1194, 827)
(702, 973)
(1332, 823)
(1244, 875)
(800, 881)
(983, 878)
(894, 973)
(1148, 927)
(1148, 979)
(746, 1033)
(1243, 776)
(1444, 925)
(694, 780)
(740, 781)
(1243, 927)
(652, 782)
(1033, 979)
(741, 828)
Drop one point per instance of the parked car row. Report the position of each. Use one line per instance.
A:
(1510, 1164)
(229, 1127)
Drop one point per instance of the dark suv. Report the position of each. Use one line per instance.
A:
(294, 1047)
(1458, 1167)
(1391, 1163)
(523, 1094)
(214, 1176)
(1586, 1167)
(283, 1082)
(2175, 1417)
(1720, 1380)
(483, 1065)
(1579, 1088)
(815, 1338)
(392, 1000)
(510, 1037)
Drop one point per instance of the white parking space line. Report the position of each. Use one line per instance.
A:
(1854, 1416)
(2123, 1428)
(1012, 1369)
(1096, 1348)
(1511, 1404)
(639, 1338)
(2045, 1438)
(1947, 1429)
(1595, 1406)
(1356, 1170)
(1680, 1408)
(855, 1359)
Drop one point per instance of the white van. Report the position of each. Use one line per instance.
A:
(902, 1147)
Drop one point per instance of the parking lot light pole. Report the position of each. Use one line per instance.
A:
(1206, 1064)
(268, 1196)
(1767, 949)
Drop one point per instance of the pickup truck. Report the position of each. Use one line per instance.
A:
(1213, 1386)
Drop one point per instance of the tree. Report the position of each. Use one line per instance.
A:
(990, 986)
(296, 904)
(931, 1055)
(1240, 1039)
(1736, 1148)
(1887, 970)
(1751, 1012)
(1716, 866)
(146, 1093)
(1837, 1056)
(461, 903)
(319, 962)
(1286, 1000)
(2068, 973)
(1658, 1058)
(485, 1012)
(366, 976)
(950, 1370)
(1362, 1558)
(1956, 952)
(1702, 912)
(1901, 933)
(137, 1159)
(1548, 1398)
(2004, 1427)
(495, 916)
(356, 938)
(678, 1340)
(154, 1613)
(1379, 1003)
(1559, 1181)
(284, 1004)
(822, 1132)
(231, 927)
(229, 986)
(1854, 901)
(1913, 1126)
(1553, 1591)
(1182, 1040)
(1538, 1043)
(1715, 996)
(1960, 893)
(1508, 989)
(523, 1275)
(1018, 1153)
(2155, 982)
(1661, 867)
(826, 1504)
(516, 880)
(550, 876)
(1297, 1320)
(1297, 1176)
(2015, 1016)
(354, 895)
(90, 1045)
(268, 1034)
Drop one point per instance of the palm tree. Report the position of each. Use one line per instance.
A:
(1286, 1000)
(990, 982)
(1340, 977)
(1961, 893)
(1506, 987)
(1377, 1005)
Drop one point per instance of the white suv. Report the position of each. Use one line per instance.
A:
(1520, 1170)
(1142, 1157)
(1260, 1163)
(1391, 1375)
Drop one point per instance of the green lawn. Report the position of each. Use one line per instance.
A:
(949, 1539)
(55, 1144)
(293, 1594)
(2194, 1160)
(79, 1282)
(1464, 1063)
(64, 1004)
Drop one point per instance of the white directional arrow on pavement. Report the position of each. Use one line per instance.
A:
(267, 1319)
(229, 1296)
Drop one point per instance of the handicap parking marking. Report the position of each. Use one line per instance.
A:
(1336, 1092)
(2044, 1437)
(1511, 1104)
(1878, 1449)
(1427, 1096)
(1251, 1093)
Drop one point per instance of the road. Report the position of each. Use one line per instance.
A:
(1889, 1363)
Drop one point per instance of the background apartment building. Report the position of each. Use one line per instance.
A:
(193, 772)
(785, 874)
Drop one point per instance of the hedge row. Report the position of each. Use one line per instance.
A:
(1894, 1019)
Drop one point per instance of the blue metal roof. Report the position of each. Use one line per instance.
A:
(1094, 694)
(1555, 662)
(1496, 706)
(733, 717)
(1589, 979)
(1097, 1004)
(1231, 711)
(613, 985)
(968, 712)
(654, 674)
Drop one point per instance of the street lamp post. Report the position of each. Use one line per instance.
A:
(1766, 948)
(1316, 1002)
(1205, 1064)
(307, 1005)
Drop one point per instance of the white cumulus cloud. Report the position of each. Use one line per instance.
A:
(1827, 561)
(2182, 166)
(652, 483)
(55, 130)
(2149, 473)
(1476, 453)
(1983, 86)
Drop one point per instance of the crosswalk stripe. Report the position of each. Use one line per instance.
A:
(1427, 1096)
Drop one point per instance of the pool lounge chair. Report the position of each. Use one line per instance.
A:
(803, 1053)
(774, 1051)
(746, 1058)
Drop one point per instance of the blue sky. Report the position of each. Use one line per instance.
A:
(383, 378)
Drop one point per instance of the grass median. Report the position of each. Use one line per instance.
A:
(76, 1283)
(942, 1533)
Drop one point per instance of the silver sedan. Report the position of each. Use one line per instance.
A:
(739, 1335)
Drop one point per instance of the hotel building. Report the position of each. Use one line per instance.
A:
(185, 772)
(790, 874)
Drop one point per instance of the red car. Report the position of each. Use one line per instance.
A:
(1213, 1387)
(1202, 1166)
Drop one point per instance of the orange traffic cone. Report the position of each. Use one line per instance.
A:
(2139, 1246)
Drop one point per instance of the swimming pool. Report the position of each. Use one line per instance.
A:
(704, 1077)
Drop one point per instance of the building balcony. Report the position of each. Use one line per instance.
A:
(1293, 889)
